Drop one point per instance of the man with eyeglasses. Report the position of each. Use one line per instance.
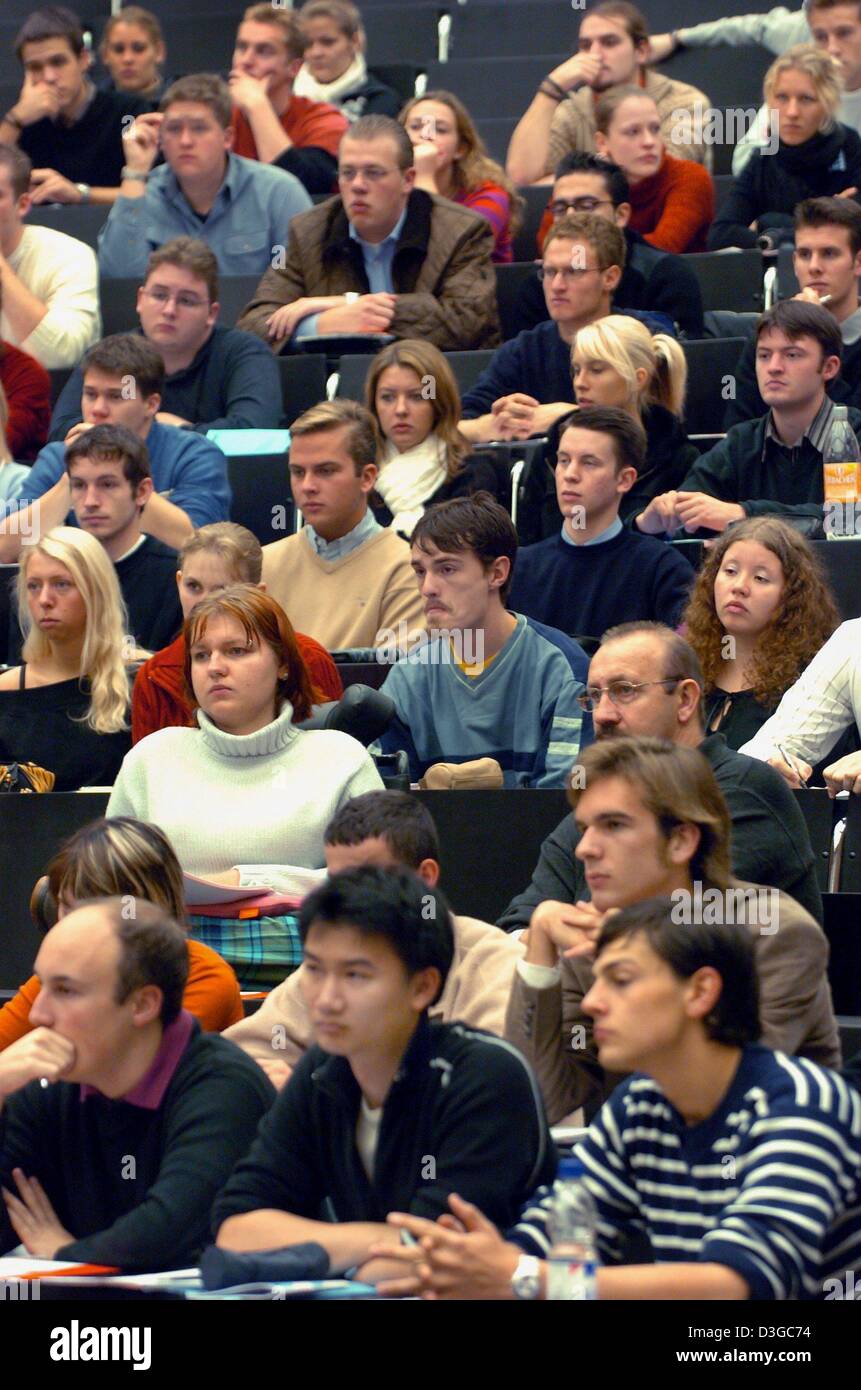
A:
(216, 378)
(239, 207)
(381, 257)
(646, 680)
(527, 387)
(652, 280)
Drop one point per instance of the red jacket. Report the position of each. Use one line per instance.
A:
(28, 393)
(158, 698)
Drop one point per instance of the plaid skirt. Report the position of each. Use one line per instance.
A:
(262, 950)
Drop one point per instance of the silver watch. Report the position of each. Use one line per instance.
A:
(84, 190)
(526, 1279)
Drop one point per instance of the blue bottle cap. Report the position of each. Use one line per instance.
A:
(571, 1168)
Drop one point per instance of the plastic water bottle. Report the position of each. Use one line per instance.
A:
(841, 468)
(572, 1223)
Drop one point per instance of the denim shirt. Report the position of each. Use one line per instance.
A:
(246, 224)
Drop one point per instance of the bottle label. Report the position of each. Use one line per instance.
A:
(569, 1280)
(840, 482)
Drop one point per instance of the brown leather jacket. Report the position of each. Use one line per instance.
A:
(442, 272)
(796, 1012)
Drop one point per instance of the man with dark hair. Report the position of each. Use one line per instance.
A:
(652, 820)
(269, 121)
(612, 51)
(122, 381)
(390, 830)
(381, 257)
(216, 378)
(240, 208)
(344, 577)
(49, 282)
(645, 679)
(388, 1110)
(772, 465)
(119, 1120)
(741, 1165)
(72, 133)
(110, 484)
(652, 280)
(526, 386)
(483, 682)
(827, 261)
(596, 573)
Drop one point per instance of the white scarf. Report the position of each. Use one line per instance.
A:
(407, 480)
(308, 86)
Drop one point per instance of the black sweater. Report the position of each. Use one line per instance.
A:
(769, 187)
(183, 1154)
(780, 480)
(464, 1114)
(91, 150)
(148, 582)
(44, 725)
(770, 843)
(583, 590)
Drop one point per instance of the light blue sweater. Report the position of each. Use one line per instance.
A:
(522, 710)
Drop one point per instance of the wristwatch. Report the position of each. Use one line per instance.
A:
(526, 1279)
(137, 175)
(84, 190)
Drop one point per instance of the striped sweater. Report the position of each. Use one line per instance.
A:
(522, 710)
(769, 1185)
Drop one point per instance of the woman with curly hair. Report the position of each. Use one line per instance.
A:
(412, 394)
(758, 614)
(451, 160)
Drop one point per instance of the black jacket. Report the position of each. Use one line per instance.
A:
(771, 185)
(777, 480)
(464, 1114)
(152, 1214)
(373, 98)
(844, 389)
(652, 279)
(479, 473)
(770, 843)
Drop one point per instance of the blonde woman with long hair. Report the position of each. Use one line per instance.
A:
(811, 154)
(412, 394)
(617, 361)
(66, 706)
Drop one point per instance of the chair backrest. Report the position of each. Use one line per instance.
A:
(711, 362)
(787, 280)
(82, 221)
(234, 293)
(729, 279)
(509, 280)
(352, 371)
(59, 376)
(303, 383)
(118, 299)
(260, 485)
(536, 196)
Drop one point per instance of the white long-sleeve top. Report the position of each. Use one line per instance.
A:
(256, 802)
(63, 274)
(821, 704)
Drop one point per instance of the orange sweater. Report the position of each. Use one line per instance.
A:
(211, 994)
(674, 208)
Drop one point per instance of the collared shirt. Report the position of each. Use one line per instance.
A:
(247, 222)
(149, 1092)
(378, 268)
(816, 432)
(607, 534)
(337, 549)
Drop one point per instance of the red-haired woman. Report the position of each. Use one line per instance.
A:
(246, 795)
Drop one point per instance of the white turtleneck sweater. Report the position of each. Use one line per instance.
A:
(256, 802)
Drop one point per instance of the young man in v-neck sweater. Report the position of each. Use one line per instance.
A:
(344, 577)
(488, 682)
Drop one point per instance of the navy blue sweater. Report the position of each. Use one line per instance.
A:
(583, 590)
